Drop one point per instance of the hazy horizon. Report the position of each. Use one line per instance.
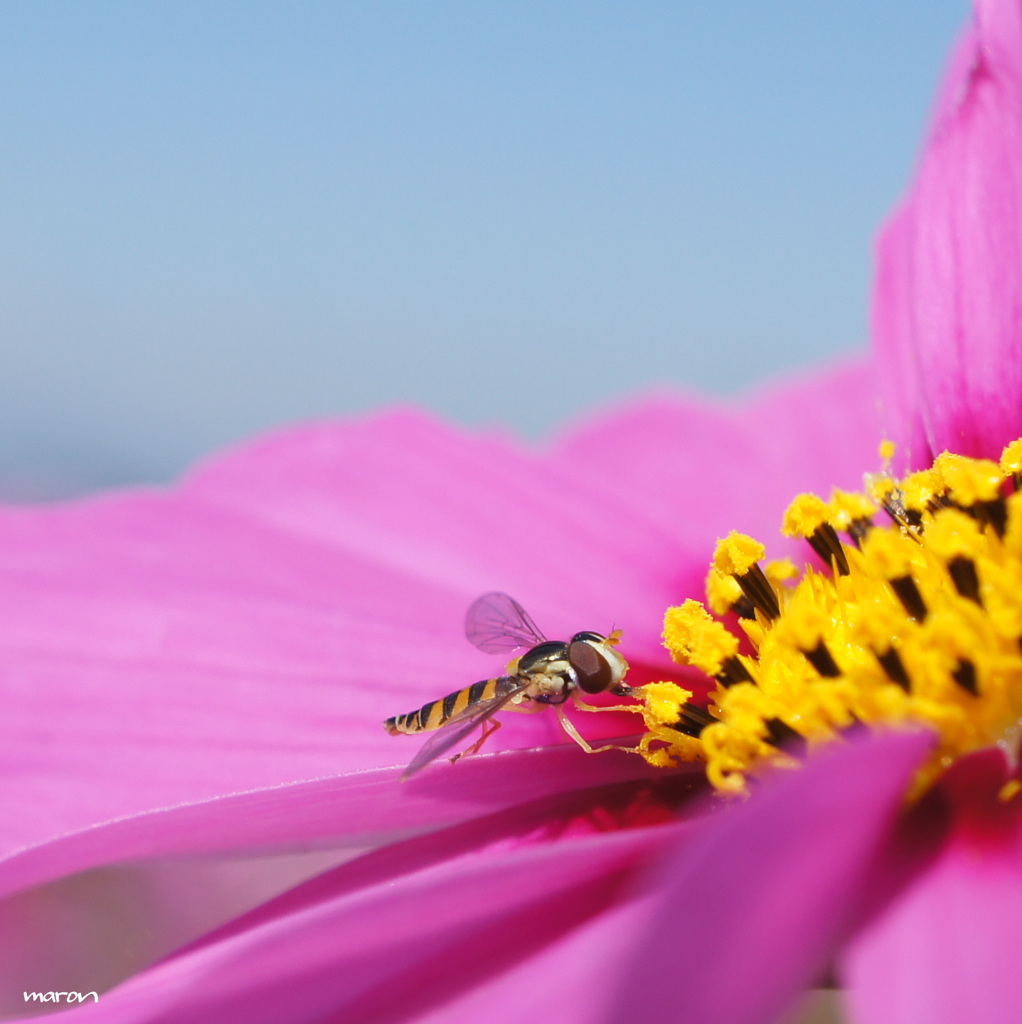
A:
(222, 217)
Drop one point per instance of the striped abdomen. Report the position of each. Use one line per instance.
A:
(439, 712)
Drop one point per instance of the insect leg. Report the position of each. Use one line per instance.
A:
(569, 727)
(490, 726)
(580, 703)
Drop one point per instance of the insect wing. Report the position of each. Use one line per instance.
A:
(497, 623)
(453, 732)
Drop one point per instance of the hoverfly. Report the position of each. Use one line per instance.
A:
(549, 672)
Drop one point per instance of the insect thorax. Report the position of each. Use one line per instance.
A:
(547, 672)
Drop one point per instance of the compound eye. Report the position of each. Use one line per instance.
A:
(592, 669)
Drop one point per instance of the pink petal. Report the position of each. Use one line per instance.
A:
(947, 949)
(43, 949)
(471, 513)
(396, 949)
(700, 471)
(166, 648)
(549, 819)
(754, 908)
(948, 296)
(92, 930)
(254, 626)
(357, 810)
(565, 981)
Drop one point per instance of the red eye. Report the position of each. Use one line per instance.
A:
(591, 668)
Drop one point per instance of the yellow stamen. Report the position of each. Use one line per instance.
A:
(694, 637)
(921, 490)
(723, 592)
(1011, 458)
(736, 554)
(847, 509)
(662, 708)
(916, 622)
(1009, 791)
(971, 480)
(806, 514)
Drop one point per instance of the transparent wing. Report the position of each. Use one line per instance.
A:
(497, 623)
(453, 732)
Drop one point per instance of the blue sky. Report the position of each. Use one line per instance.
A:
(219, 217)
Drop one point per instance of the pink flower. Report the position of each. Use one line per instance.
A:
(204, 672)
(948, 301)
(917, 914)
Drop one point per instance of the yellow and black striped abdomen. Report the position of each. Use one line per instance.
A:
(439, 712)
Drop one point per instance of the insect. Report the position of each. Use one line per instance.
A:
(549, 672)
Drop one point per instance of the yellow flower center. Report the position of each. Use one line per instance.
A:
(916, 622)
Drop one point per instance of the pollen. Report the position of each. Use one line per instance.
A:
(910, 617)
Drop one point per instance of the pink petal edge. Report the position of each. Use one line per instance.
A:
(706, 469)
(355, 810)
(754, 908)
(947, 949)
(384, 952)
(948, 296)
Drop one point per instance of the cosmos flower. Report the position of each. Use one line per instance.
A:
(947, 310)
(922, 927)
(204, 672)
